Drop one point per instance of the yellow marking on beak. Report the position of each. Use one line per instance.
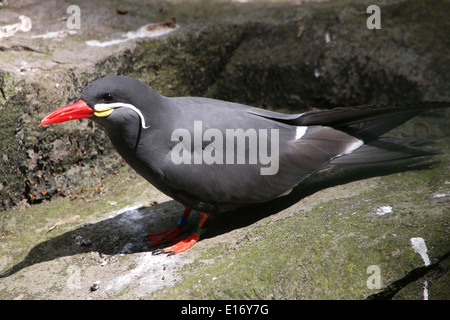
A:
(103, 113)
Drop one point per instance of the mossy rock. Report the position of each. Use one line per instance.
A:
(316, 243)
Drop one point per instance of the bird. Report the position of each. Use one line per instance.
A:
(214, 156)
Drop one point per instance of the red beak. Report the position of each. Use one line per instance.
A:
(78, 110)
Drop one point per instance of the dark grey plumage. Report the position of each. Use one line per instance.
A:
(332, 138)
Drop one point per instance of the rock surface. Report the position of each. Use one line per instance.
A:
(72, 218)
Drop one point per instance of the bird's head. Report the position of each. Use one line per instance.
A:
(112, 101)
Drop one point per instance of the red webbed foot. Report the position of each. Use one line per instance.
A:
(186, 243)
(168, 235)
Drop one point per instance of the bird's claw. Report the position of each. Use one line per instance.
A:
(157, 251)
(180, 246)
(165, 236)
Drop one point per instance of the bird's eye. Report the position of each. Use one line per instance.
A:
(107, 97)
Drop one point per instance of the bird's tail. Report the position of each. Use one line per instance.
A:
(385, 149)
(369, 123)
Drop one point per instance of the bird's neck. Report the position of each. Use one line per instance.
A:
(131, 151)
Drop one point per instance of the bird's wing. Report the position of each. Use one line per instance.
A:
(345, 116)
(367, 121)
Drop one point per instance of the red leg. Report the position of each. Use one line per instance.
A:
(168, 235)
(187, 243)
